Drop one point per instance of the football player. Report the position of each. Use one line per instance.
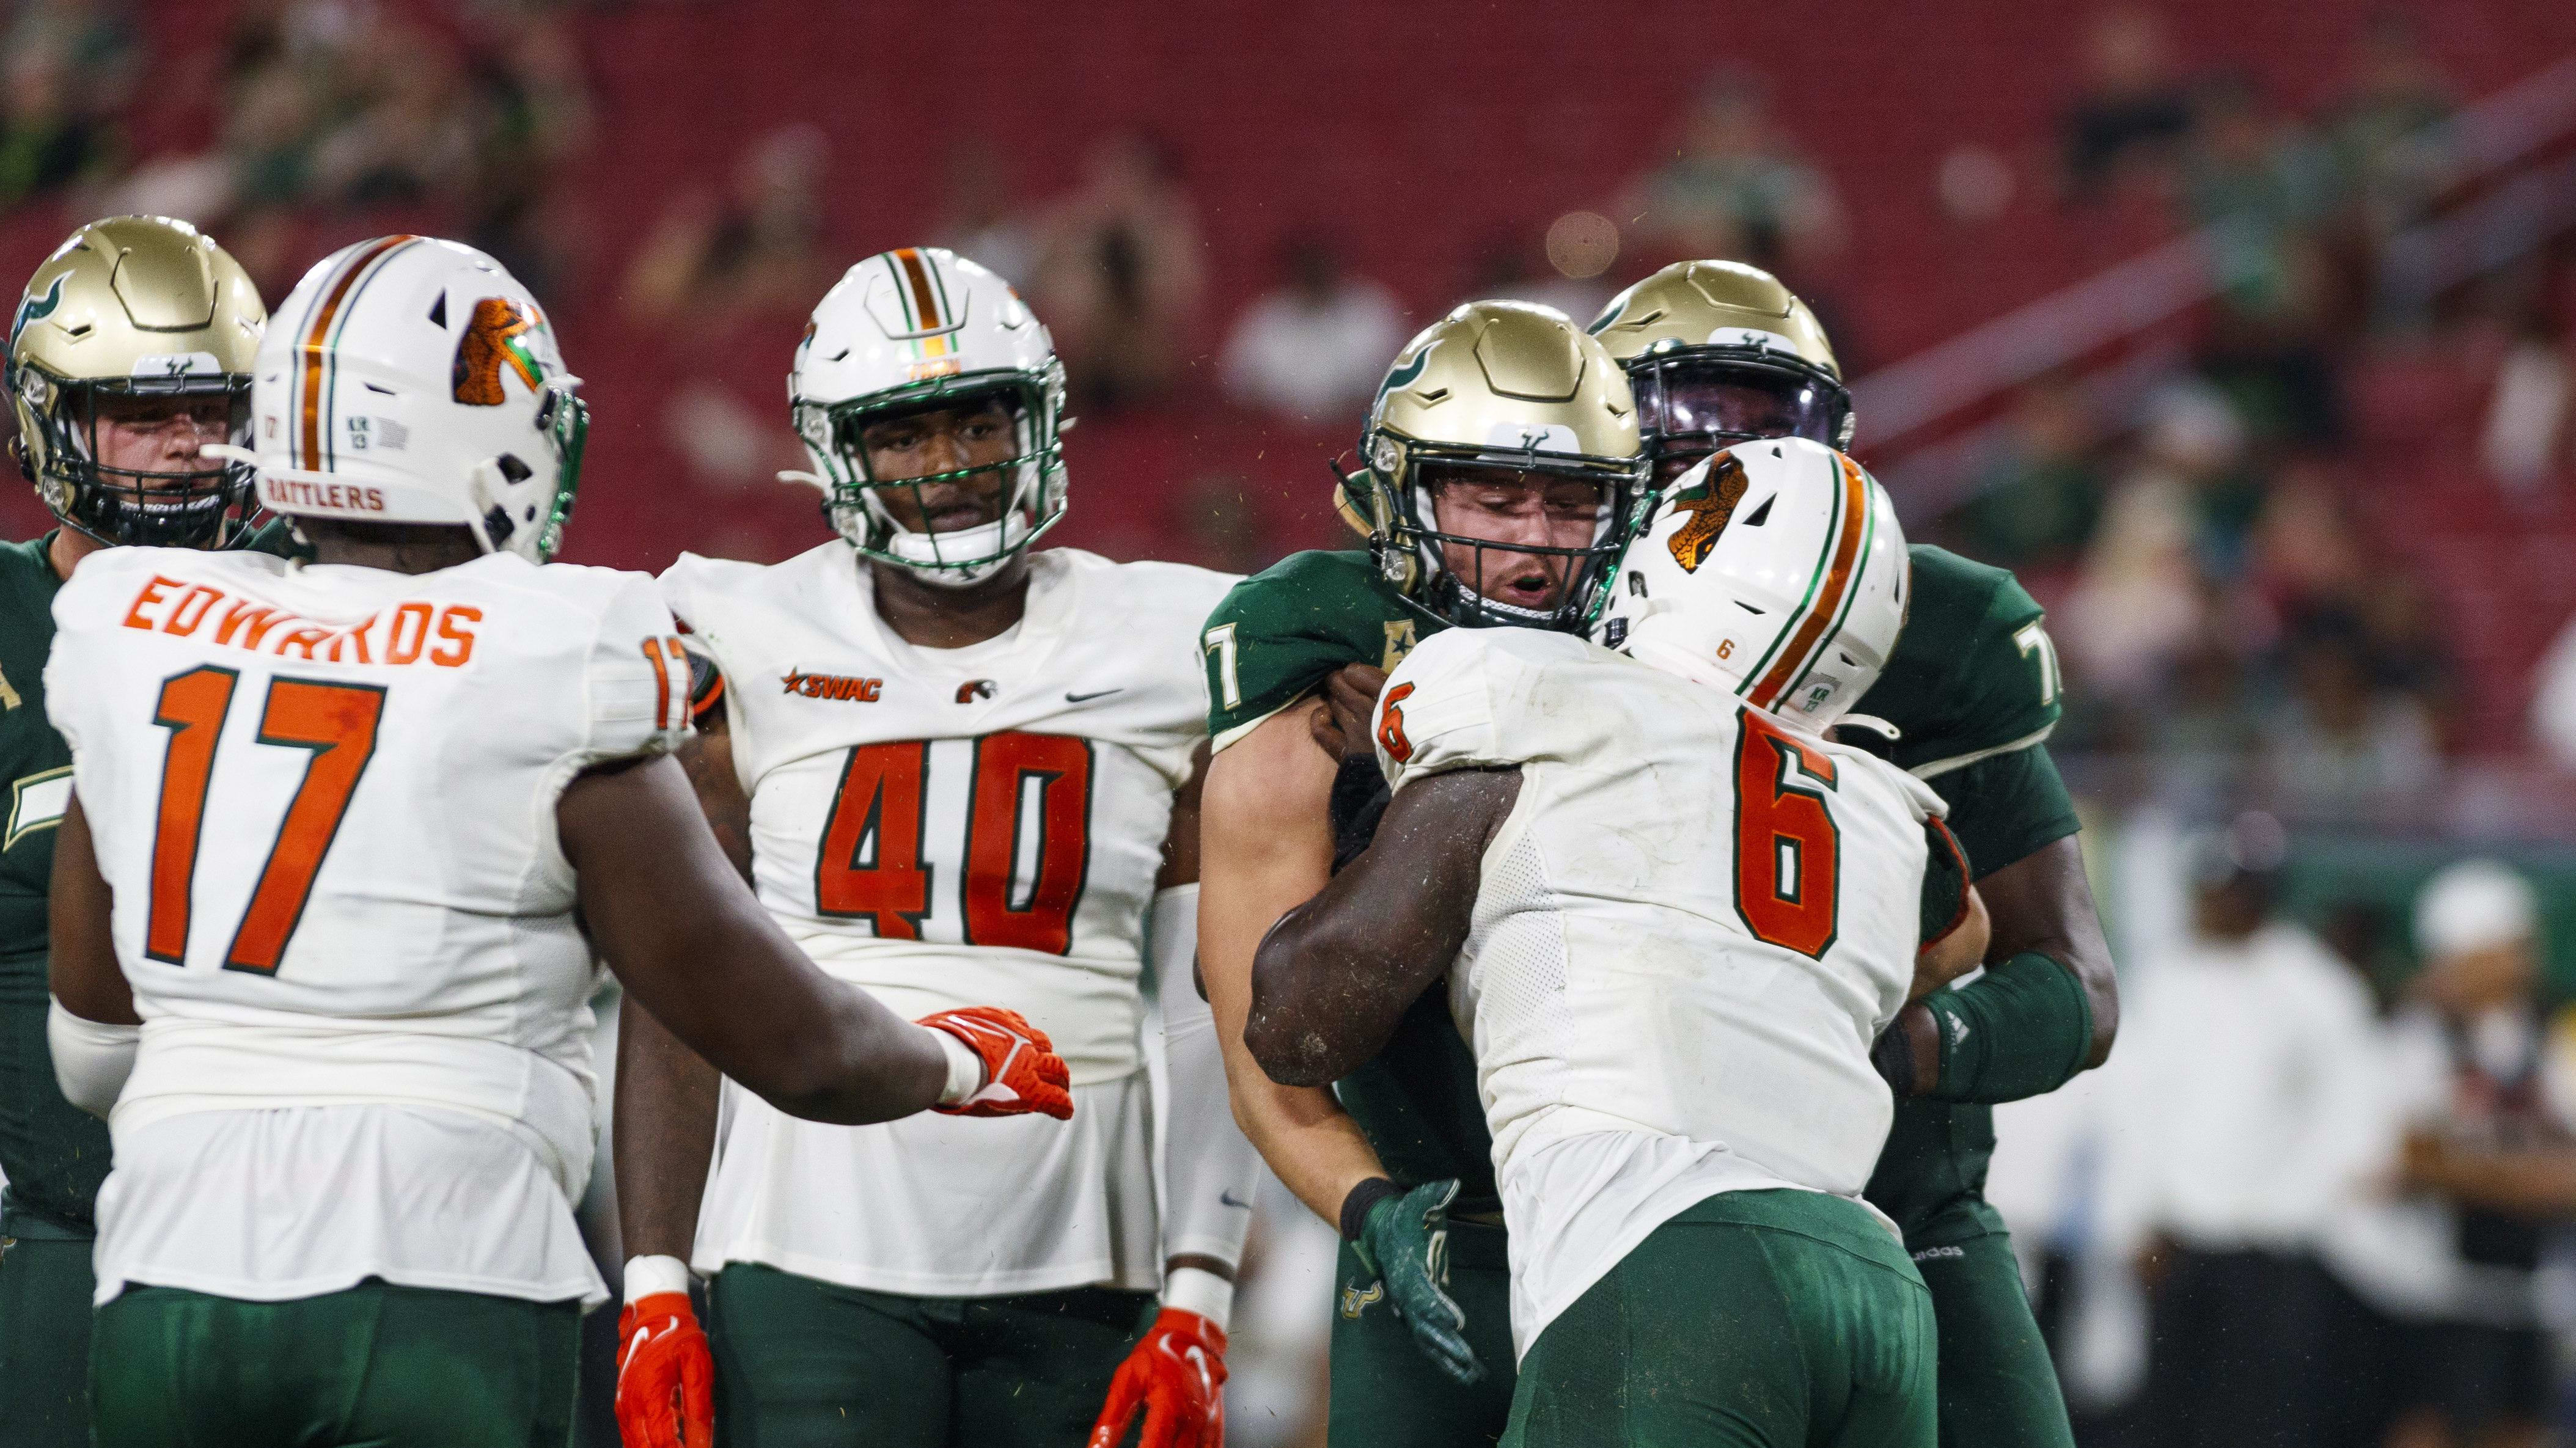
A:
(343, 842)
(953, 768)
(1720, 353)
(1498, 472)
(1678, 917)
(131, 348)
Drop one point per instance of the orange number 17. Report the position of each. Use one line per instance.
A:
(335, 723)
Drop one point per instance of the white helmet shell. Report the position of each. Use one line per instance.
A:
(1776, 571)
(905, 329)
(408, 380)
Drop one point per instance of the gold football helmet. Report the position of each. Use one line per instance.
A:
(1501, 386)
(131, 310)
(1720, 353)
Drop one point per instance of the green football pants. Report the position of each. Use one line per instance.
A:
(1772, 1319)
(802, 1363)
(376, 1366)
(45, 1287)
(1998, 1387)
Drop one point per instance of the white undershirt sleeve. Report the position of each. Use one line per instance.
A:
(1209, 1167)
(91, 1059)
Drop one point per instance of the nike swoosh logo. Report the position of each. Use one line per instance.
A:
(1228, 1197)
(1072, 698)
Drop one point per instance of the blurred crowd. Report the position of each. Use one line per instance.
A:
(2312, 1201)
(2220, 535)
(2259, 541)
(325, 108)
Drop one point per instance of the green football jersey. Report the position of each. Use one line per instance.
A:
(1972, 691)
(54, 1153)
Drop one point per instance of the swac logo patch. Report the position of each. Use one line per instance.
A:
(1709, 512)
(497, 335)
(832, 686)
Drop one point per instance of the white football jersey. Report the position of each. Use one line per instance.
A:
(324, 798)
(953, 827)
(1688, 933)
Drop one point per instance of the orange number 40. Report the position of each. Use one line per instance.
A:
(871, 863)
(334, 723)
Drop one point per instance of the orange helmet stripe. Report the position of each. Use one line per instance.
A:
(308, 457)
(1829, 599)
(925, 298)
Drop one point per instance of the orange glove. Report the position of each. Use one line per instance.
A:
(665, 1378)
(1175, 1375)
(1022, 1072)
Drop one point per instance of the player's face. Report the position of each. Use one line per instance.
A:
(1515, 511)
(159, 436)
(944, 440)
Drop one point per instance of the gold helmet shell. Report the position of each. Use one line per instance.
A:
(133, 307)
(1720, 353)
(1506, 386)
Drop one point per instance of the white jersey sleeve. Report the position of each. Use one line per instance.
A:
(1439, 709)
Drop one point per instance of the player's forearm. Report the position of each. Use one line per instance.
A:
(664, 1135)
(693, 947)
(2540, 1182)
(1326, 995)
(1333, 978)
(2042, 904)
(1310, 1143)
(1266, 844)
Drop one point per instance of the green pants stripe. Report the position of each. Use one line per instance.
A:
(400, 1367)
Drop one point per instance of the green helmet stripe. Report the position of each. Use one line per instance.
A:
(1789, 626)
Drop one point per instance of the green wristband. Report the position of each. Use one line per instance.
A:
(2022, 1029)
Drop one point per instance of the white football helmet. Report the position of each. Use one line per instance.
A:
(1775, 571)
(408, 380)
(906, 331)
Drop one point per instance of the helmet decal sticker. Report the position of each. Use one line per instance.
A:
(36, 309)
(497, 334)
(1709, 512)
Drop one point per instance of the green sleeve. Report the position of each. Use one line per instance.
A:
(1279, 633)
(2004, 808)
(2021, 1029)
(1974, 673)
